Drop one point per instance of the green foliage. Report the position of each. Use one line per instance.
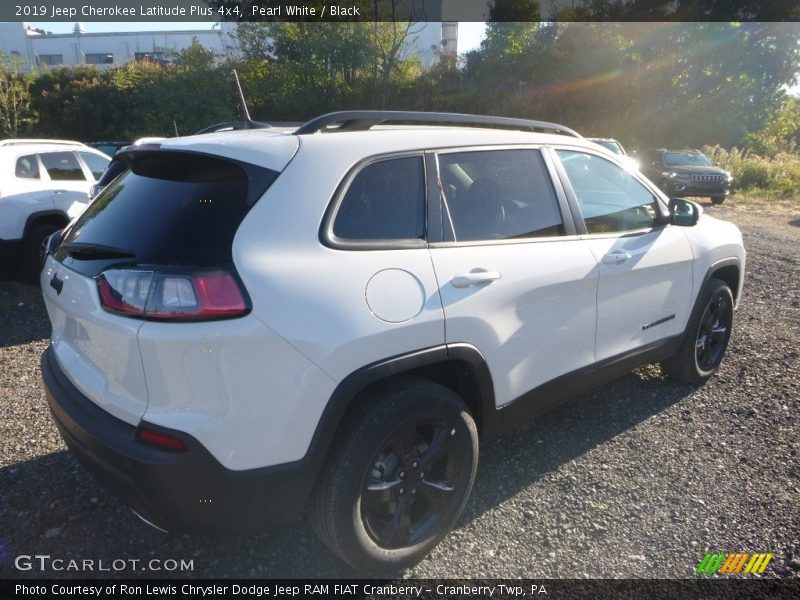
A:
(16, 112)
(662, 84)
(778, 174)
(137, 99)
(781, 133)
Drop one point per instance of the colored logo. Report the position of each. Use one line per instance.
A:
(733, 563)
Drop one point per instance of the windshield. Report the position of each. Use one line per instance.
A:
(686, 159)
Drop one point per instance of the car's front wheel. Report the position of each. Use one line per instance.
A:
(718, 199)
(399, 478)
(706, 338)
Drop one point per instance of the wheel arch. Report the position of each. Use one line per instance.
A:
(459, 367)
(56, 217)
(728, 270)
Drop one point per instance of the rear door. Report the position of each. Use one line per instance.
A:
(515, 280)
(69, 186)
(645, 288)
(22, 193)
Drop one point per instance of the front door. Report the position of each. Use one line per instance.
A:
(645, 290)
(514, 279)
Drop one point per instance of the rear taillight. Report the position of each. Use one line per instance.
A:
(159, 439)
(154, 295)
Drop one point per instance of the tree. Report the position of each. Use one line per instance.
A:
(16, 113)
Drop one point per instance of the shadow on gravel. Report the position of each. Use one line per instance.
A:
(51, 505)
(23, 317)
(796, 222)
(522, 458)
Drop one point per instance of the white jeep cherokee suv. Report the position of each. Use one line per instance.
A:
(248, 324)
(43, 185)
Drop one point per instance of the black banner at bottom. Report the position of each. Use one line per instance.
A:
(405, 589)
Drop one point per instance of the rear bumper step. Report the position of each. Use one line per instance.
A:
(186, 492)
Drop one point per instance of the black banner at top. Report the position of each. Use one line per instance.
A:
(398, 10)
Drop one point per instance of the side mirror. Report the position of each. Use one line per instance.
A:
(684, 213)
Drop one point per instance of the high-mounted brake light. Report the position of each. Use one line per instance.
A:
(158, 296)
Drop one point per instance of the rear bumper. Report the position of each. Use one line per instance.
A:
(190, 491)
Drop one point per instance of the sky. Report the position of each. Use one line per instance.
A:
(469, 34)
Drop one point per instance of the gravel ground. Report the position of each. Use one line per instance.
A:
(637, 479)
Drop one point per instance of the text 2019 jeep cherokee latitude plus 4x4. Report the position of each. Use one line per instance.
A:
(251, 323)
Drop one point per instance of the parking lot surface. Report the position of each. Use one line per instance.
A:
(637, 479)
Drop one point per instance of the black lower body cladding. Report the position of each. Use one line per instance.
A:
(190, 491)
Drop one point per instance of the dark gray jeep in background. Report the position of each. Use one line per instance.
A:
(687, 173)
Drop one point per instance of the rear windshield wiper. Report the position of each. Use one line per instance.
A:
(89, 251)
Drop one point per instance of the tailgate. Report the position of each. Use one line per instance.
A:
(98, 351)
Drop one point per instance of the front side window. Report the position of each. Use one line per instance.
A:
(385, 201)
(498, 195)
(62, 166)
(611, 199)
(27, 167)
(97, 164)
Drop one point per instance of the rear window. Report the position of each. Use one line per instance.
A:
(385, 201)
(170, 209)
(27, 167)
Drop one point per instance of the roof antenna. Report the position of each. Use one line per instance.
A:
(248, 122)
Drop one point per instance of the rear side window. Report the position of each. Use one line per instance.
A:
(172, 209)
(499, 195)
(97, 164)
(27, 167)
(62, 166)
(385, 201)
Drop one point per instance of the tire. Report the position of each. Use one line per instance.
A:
(706, 338)
(717, 199)
(399, 478)
(32, 249)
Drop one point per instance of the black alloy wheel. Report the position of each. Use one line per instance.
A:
(399, 476)
(713, 332)
(411, 484)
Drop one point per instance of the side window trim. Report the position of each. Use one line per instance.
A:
(434, 200)
(44, 175)
(567, 218)
(663, 217)
(571, 223)
(329, 239)
(566, 186)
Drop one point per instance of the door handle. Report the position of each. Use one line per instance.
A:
(475, 277)
(616, 258)
(61, 191)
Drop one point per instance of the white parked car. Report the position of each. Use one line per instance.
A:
(253, 323)
(44, 184)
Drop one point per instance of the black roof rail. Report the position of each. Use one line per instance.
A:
(362, 120)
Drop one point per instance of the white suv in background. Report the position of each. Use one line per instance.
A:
(253, 323)
(44, 184)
